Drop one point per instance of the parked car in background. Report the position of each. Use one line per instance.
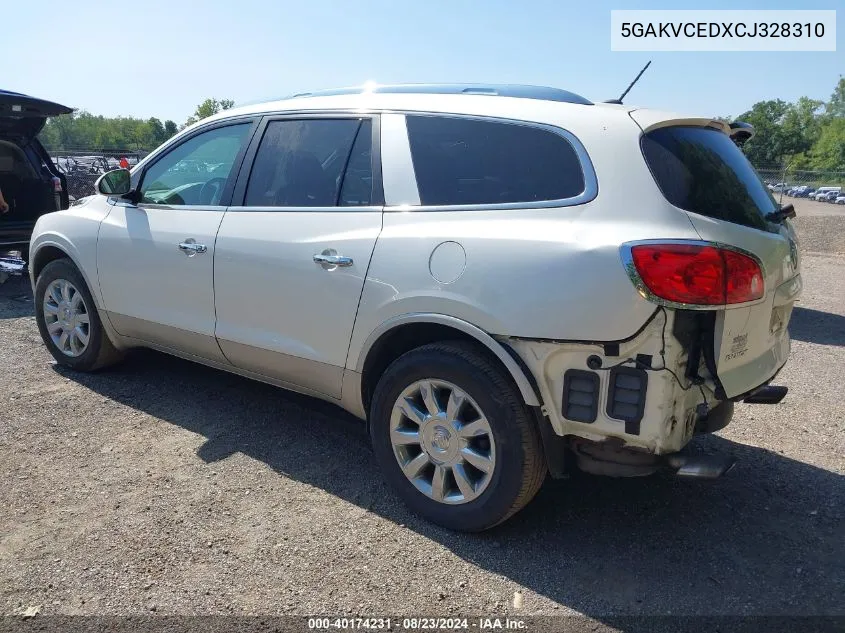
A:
(31, 183)
(806, 193)
(831, 196)
(822, 193)
(794, 191)
(779, 187)
(427, 257)
(840, 200)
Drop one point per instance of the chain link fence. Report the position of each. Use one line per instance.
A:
(82, 167)
(802, 183)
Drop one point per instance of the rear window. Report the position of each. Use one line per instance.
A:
(466, 162)
(703, 171)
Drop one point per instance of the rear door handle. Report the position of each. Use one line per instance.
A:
(191, 248)
(327, 259)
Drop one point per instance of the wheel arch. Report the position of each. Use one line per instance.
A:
(400, 334)
(50, 249)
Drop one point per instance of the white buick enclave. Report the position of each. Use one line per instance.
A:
(502, 280)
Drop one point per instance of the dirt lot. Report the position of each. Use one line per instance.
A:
(166, 487)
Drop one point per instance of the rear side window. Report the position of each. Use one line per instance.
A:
(312, 163)
(703, 171)
(462, 161)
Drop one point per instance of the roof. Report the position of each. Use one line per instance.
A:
(519, 91)
(536, 104)
(530, 103)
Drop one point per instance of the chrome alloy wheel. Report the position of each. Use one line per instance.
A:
(66, 318)
(442, 441)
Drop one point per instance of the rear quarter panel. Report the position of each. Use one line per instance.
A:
(551, 273)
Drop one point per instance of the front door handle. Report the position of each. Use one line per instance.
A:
(191, 248)
(328, 258)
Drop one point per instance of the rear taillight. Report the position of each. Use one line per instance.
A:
(695, 274)
(57, 184)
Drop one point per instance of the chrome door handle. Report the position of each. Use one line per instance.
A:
(332, 260)
(191, 248)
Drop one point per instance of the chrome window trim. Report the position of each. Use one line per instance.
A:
(588, 170)
(346, 209)
(628, 263)
(589, 193)
(242, 183)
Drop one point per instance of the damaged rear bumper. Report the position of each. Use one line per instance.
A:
(625, 407)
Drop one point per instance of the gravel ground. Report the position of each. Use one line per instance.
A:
(169, 488)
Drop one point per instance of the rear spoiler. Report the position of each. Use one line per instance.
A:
(648, 120)
(741, 132)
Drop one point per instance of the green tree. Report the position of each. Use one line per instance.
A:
(801, 125)
(207, 108)
(828, 153)
(83, 130)
(767, 145)
(784, 132)
(157, 133)
(836, 105)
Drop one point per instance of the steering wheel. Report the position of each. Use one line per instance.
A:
(211, 191)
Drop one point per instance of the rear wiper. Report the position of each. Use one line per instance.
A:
(786, 211)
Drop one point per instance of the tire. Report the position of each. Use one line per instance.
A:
(98, 351)
(511, 437)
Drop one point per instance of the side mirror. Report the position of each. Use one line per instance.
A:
(114, 183)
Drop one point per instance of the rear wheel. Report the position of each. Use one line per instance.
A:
(454, 438)
(68, 319)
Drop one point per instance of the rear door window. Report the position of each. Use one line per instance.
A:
(702, 170)
(460, 161)
(312, 163)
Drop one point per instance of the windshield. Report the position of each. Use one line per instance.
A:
(701, 170)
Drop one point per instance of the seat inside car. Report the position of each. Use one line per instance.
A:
(299, 181)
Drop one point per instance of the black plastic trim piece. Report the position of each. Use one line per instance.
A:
(569, 379)
(632, 422)
(554, 446)
(525, 370)
(644, 360)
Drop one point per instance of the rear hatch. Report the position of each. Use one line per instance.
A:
(23, 117)
(700, 169)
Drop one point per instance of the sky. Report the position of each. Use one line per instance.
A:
(161, 58)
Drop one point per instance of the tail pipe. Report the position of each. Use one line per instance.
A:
(700, 466)
(767, 395)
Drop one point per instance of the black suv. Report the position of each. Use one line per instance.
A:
(30, 182)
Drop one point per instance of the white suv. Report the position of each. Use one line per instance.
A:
(502, 280)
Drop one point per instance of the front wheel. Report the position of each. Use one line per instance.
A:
(68, 319)
(454, 438)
